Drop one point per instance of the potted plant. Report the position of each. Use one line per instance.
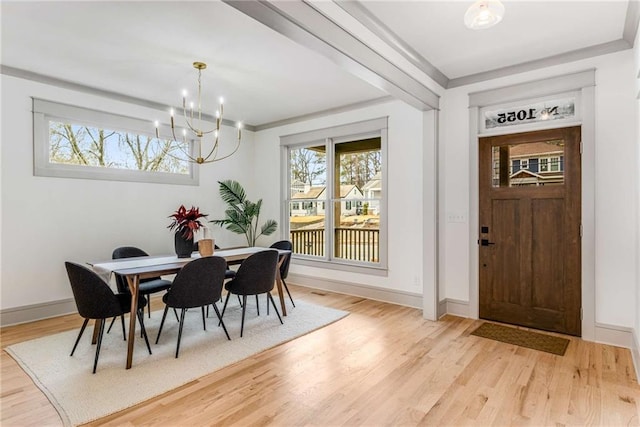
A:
(185, 223)
(242, 215)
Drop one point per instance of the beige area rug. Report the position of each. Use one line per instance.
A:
(80, 396)
(523, 338)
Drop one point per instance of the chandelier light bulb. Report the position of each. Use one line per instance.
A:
(484, 14)
(221, 100)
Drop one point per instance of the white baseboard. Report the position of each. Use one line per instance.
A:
(30, 313)
(619, 336)
(365, 291)
(635, 354)
(454, 307)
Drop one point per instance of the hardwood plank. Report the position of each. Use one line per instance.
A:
(381, 365)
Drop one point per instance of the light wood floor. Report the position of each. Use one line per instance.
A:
(381, 365)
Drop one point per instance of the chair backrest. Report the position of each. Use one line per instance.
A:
(288, 246)
(128, 252)
(198, 283)
(94, 298)
(257, 273)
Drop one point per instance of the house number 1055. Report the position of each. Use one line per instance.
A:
(521, 115)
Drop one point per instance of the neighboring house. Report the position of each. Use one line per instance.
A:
(312, 201)
(298, 186)
(536, 164)
(372, 191)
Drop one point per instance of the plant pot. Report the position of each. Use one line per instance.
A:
(183, 246)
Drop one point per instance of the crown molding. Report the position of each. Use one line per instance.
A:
(324, 113)
(575, 55)
(92, 90)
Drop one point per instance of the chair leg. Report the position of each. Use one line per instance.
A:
(244, 309)
(239, 301)
(140, 314)
(274, 306)
(176, 313)
(124, 333)
(204, 324)
(100, 334)
(221, 322)
(84, 325)
(164, 316)
(182, 312)
(149, 304)
(224, 307)
(111, 324)
(257, 305)
(286, 288)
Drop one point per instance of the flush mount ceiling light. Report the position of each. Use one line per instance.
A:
(484, 14)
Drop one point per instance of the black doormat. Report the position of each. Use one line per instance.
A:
(529, 339)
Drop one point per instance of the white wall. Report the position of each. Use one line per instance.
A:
(46, 221)
(616, 216)
(636, 70)
(405, 135)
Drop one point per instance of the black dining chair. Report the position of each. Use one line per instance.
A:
(147, 286)
(198, 284)
(284, 267)
(95, 300)
(256, 275)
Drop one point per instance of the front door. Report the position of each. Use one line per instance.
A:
(530, 229)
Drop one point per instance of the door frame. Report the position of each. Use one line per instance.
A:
(583, 84)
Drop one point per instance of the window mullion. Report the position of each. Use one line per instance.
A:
(329, 208)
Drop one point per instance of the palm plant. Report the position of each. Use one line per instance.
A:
(242, 215)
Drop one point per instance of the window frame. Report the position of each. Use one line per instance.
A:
(45, 111)
(330, 137)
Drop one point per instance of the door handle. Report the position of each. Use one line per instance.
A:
(486, 242)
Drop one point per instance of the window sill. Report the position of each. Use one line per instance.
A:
(371, 270)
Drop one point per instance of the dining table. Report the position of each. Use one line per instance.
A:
(135, 269)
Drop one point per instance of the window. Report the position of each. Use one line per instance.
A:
(555, 164)
(343, 168)
(76, 142)
(524, 164)
(544, 165)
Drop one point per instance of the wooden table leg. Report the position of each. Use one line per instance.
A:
(279, 286)
(133, 282)
(96, 330)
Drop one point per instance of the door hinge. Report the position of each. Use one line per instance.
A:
(581, 314)
(581, 147)
(581, 230)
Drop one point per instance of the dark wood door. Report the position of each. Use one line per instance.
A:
(530, 229)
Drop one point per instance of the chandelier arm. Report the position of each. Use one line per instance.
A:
(228, 155)
(189, 157)
(193, 129)
(214, 149)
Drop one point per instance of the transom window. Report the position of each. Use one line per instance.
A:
(75, 142)
(344, 172)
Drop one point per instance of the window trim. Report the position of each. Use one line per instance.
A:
(334, 135)
(45, 111)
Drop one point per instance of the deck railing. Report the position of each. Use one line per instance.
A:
(356, 244)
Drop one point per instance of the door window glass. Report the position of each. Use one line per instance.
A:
(532, 164)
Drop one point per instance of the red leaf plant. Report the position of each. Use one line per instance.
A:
(186, 221)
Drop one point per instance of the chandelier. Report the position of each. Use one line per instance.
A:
(195, 124)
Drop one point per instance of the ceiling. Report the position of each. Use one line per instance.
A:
(144, 50)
